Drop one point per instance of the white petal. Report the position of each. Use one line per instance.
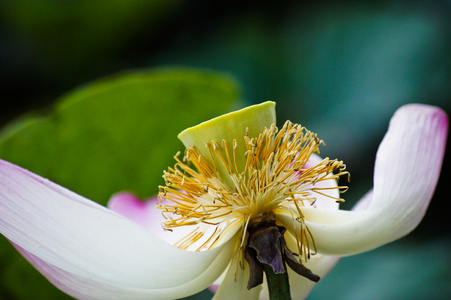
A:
(407, 169)
(408, 162)
(86, 288)
(236, 289)
(83, 238)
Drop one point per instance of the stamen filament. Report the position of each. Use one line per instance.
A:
(215, 192)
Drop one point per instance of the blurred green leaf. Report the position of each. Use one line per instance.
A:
(116, 134)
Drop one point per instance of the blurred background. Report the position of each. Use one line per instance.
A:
(340, 68)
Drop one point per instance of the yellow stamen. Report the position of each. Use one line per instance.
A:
(276, 175)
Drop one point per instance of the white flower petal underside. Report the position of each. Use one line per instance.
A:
(408, 164)
(86, 288)
(407, 168)
(83, 238)
(236, 289)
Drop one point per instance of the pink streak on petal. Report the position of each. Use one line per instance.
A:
(146, 214)
(81, 287)
(71, 284)
(410, 156)
(213, 288)
(407, 168)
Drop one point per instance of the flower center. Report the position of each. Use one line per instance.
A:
(218, 197)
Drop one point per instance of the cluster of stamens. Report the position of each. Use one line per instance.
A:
(216, 194)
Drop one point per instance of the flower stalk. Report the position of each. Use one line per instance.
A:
(278, 285)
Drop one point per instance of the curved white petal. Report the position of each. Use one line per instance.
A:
(87, 288)
(406, 172)
(83, 238)
(146, 214)
(236, 289)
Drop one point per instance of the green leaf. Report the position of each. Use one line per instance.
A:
(119, 133)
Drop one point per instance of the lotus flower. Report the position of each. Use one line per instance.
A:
(240, 179)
